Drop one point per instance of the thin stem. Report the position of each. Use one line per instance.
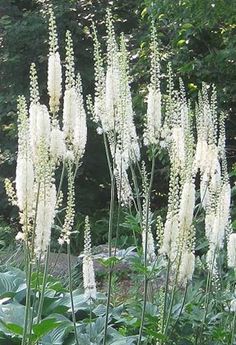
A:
(45, 274)
(117, 226)
(29, 266)
(166, 294)
(27, 305)
(111, 214)
(172, 296)
(109, 254)
(61, 180)
(171, 306)
(208, 289)
(134, 177)
(145, 253)
(182, 306)
(90, 320)
(233, 329)
(71, 294)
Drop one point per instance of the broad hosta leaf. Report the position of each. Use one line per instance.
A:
(125, 341)
(100, 310)
(12, 313)
(45, 326)
(10, 281)
(57, 335)
(65, 303)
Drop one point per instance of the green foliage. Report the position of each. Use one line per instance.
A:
(56, 326)
(198, 37)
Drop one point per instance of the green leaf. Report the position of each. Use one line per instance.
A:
(107, 262)
(10, 281)
(45, 326)
(144, 12)
(57, 335)
(12, 313)
(12, 327)
(181, 43)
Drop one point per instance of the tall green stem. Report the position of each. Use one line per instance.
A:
(71, 294)
(233, 329)
(45, 274)
(182, 307)
(111, 214)
(166, 295)
(208, 290)
(27, 305)
(145, 253)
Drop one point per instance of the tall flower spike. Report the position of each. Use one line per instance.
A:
(153, 118)
(88, 268)
(70, 108)
(39, 119)
(24, 164)
(34, 88)
(187, 204)
(80, 129)
(112, 86)
(54, 67)
(125, 113)
(70, 207)
(147, 236)
(57, 143)
(45, 217)
(99, 101)
(186, 268)
(70, 62)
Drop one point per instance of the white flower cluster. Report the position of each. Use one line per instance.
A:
(74, 115)
(147, 236)
(153, 123)
(42, 145)
(232, 250)
(113, 109)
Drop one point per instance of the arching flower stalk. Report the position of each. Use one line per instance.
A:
(54, 67)
(90, 290)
